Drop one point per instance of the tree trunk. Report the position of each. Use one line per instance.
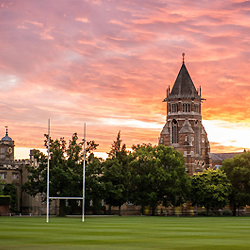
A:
(153, 210)
(109, 210)
(207, 211)
(142, 209)
(62, 208)
(120, 211)
(234, 210)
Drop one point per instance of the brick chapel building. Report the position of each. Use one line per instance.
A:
(183, 129)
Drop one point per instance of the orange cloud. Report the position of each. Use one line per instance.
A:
(218, 148)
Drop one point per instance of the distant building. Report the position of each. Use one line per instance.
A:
(183, 129)
(10, 171)
(218, 158)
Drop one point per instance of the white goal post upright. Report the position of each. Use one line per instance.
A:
(83, 176)
(66, 198)
(47, 220)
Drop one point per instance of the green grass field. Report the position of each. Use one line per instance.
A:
(125, 233)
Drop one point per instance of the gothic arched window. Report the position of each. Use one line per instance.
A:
(175, 134)
(197, 137)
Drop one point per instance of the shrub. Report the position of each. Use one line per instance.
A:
(204, 213)
(5, 199)
(227, 212)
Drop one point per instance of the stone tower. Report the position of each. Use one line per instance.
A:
(183, 129)
(7, 149)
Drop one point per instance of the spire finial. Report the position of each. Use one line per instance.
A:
(6, 127)
(183, 56)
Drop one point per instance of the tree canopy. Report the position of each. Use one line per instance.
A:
(210, 189)
(157, 176)
(238, 172)
(116, 174)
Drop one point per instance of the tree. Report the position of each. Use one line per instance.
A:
(237, 170)
(65, 170)
(94, 185)
(158, 176)
(210, 189)
(10, 189)
(117, 149)
(116, 175)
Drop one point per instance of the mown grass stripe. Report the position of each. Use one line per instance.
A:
(125, 233)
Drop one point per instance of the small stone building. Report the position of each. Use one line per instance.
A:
(10, 170)
(183, 129)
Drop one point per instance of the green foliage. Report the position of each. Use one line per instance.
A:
(204, 213)
(158, 176)
(238, 172)
(210, 189)
(94, 186)
(10, 189)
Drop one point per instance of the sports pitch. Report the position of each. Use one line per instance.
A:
(125, 233)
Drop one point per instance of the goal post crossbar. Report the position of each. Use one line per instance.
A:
(66, 198)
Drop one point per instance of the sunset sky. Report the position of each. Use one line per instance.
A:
(109, 63)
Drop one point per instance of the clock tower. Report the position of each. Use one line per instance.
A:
(7, 148)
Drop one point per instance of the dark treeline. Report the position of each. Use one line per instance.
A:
(147, 176)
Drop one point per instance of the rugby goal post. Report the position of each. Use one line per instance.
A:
(83, 181)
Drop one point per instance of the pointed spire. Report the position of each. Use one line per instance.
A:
(184, 86)
(6, 127)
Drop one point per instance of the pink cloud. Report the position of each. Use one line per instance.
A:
(87, 61)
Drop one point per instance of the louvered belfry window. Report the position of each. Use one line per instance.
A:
(174, 107)
(186, 107)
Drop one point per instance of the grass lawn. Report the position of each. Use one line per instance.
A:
(125, 233)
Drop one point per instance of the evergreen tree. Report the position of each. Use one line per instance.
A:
(116, 175)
